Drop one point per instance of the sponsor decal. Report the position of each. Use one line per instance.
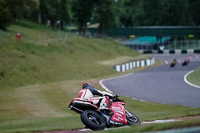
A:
(116, 119)
(121, 118)
(116, 108)
(118, 114)
(119, 108)
(115, 122)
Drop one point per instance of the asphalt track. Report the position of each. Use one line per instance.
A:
(161, 84)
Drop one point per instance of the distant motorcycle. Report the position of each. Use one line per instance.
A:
(174, 62)
(95, 119)
(186, 62)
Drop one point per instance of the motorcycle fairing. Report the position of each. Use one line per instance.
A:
(119, 116)
(79, 105)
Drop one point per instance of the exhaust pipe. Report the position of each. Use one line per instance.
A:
(75, 109)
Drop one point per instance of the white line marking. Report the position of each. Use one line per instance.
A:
(105, 88)
(139, 100)
(185, 79)
(159, 121)
(85, 130)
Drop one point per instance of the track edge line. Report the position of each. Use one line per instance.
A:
(186, 81)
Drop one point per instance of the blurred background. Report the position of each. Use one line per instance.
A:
(139, 24)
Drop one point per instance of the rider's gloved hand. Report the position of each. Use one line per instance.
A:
(115, 97)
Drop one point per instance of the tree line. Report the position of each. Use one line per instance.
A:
(107, 13)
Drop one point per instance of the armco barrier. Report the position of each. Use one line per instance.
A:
(191, 51)
(134, 64)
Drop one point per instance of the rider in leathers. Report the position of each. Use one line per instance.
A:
(88, 92)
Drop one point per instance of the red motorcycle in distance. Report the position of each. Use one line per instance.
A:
(186, 62)
(95, 119)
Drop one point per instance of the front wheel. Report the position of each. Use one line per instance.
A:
(93, 120)
(132, 119)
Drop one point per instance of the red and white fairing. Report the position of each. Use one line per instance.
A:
(119, 112)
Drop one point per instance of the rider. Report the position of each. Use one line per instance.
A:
(174, 61)
(88, 91)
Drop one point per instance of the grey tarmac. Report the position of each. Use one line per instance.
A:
(160, 84)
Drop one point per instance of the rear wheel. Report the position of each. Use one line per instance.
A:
(93, 120)
(132, 119)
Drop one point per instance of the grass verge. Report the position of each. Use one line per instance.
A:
(194, 77)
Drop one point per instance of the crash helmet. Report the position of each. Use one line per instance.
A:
(87, 86)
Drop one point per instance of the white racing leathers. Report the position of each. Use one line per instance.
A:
(88, 94)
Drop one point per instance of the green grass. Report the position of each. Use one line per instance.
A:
(24, 63)
(194, 77)
(41, 124)
(41, 73)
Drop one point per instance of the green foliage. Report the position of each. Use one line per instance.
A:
(82, 11)
(194, 11)
(133, 13)
(162, 13)
(12, 10)
(151, 12)
(107, 12)
(174, 12)
(57, 10)
(5, 14)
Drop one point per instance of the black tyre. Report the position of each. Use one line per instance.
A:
(132, 119)
(93, 120)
